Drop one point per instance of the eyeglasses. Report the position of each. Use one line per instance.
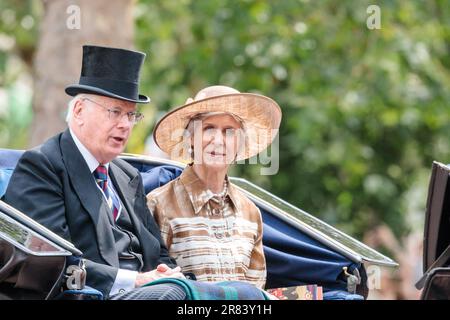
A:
(115, 114)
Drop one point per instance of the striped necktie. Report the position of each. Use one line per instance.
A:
(101, 177)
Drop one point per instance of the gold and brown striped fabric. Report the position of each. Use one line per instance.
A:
(214, 245)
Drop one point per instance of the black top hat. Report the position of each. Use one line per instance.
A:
(110, 72)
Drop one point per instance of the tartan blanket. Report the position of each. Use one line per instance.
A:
(226, 290)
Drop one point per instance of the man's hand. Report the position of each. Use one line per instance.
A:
(271, 296)
(161, 271)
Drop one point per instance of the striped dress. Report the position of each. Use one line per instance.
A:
(215, 245)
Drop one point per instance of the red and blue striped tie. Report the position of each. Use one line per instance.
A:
(101, 176)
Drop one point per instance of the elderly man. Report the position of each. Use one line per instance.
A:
(74, 184)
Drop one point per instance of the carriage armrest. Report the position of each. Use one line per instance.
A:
(87, 293)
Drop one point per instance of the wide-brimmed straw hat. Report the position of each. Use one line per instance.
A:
(260, 115)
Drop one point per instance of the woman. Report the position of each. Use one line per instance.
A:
(209, 226)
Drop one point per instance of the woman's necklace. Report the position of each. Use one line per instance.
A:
(219, 198)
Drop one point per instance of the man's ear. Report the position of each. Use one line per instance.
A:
(78, 111)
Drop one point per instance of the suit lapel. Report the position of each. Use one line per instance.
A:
(125, 187)
(127, 190)
(90, 197)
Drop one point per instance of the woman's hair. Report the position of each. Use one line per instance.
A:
(203, 115)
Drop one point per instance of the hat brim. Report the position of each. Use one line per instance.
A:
(75, 89)
(260, 114)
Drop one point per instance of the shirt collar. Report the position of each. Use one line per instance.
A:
(197, 191)
(87, 156)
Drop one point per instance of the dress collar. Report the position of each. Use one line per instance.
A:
(198, 194)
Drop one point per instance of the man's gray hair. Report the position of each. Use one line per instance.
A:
(72, 103)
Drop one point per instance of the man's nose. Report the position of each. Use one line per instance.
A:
(124, 122)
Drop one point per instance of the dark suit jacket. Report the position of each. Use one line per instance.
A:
(53, 185)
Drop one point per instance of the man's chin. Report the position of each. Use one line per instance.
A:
(114, 152)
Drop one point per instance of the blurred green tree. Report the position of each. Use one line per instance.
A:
(19, 22)
(364, 111)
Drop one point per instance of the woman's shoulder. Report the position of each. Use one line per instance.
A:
(161, 200)
(162, 191)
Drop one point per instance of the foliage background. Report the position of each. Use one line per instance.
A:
(365, 112)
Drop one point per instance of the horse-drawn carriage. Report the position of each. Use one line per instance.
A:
(300, 249)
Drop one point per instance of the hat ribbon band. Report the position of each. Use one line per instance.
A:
(118, 87)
